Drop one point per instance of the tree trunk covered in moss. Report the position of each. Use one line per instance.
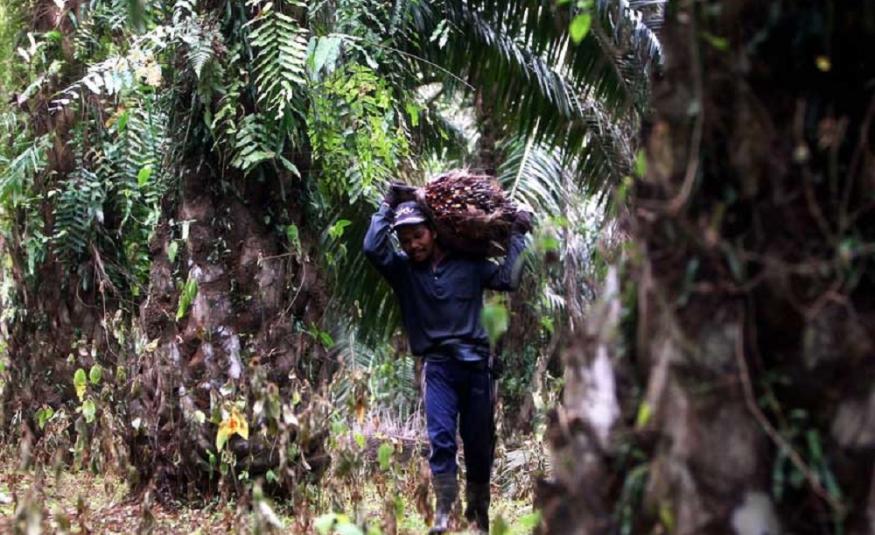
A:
(237, 342)
(724, 384)
(168, 373)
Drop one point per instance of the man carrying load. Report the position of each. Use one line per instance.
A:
(441, 297)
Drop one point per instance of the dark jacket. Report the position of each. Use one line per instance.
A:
(441, 307)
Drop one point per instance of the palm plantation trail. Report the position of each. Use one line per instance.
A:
(83, 502)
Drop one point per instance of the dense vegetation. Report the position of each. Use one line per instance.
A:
(183, 192)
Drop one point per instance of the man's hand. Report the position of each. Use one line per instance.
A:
(399, 193)
(522, 222)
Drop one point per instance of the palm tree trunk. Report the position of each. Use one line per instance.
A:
(237, 341)
(736, 394)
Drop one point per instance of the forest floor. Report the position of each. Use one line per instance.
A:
(83, 502)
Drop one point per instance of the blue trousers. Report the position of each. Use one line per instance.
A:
(460, 393)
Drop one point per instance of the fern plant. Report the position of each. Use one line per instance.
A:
(78, 211)
(280, 46)
(22, 159)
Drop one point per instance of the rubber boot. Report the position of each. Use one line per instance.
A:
(477, 509)
(445, 490)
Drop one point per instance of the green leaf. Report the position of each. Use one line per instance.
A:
(580, 27)
(645, 412)
(666, 516)
(336, 230)
(324, 523)
(271, 476)
(294, 237)
(172, 250)
(326, 340)
(326, 54)
(144, 175)
(412, 110)
(641, 164)
(530, 521)
(122, 121)
(384, 455)
(80, 382)
(186, 297)
(720, 43)
(95, 374)
(43, 415)
(547, 324)
(499, 526)
(495, 320)
(89, 410)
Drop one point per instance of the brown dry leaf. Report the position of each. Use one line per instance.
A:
(422, 494)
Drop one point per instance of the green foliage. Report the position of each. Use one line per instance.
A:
(43, 415)
(95, 374)
(257, 140)
(323, 337)
(22, 160)
(186, 297)
(531, 81)
(294, 237)
(580, 26)
(78, 213)
(280, 45)
(89, 410)
(335, 231)
(384, 455)
(355, 134)
(494, 318)
(80, 383)
(120, 172)
(10, 22)
(200, 36)
(388, 379)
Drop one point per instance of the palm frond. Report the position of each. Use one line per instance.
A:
(530, 90)
(390, 380)
(358, 285)
(534, 174)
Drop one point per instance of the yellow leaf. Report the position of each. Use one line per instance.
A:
(645, 411)
(222, 437)
(823, 63)
(233, 424)
(242, 427)
(80, 383)
(360, 411)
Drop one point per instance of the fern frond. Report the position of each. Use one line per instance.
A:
(256, 141)
(78, 209)
(280, 45)
(17, 173)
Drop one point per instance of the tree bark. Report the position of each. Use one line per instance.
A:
(739, 385)
(238, 341)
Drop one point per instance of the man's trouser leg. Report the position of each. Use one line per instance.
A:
(477, 427)
(441, 410)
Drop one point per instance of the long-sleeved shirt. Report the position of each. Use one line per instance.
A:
(441, 305)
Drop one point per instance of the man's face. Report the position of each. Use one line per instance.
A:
(417, 241)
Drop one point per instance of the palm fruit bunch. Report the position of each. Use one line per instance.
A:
(471, 212)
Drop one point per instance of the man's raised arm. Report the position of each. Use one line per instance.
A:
(378, 244)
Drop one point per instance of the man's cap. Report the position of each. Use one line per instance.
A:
(408, 213)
